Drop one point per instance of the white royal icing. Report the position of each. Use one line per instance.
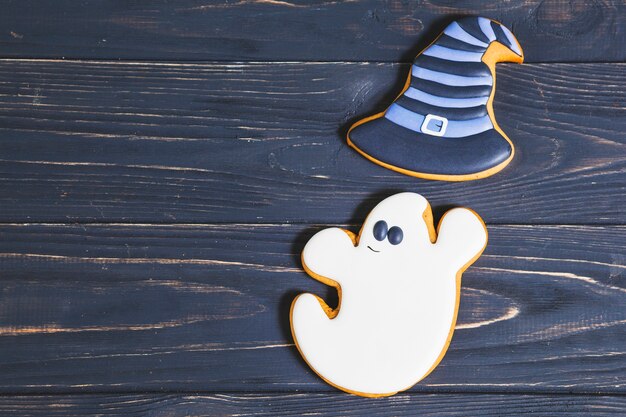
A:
(398, 305)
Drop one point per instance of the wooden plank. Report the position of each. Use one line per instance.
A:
(99, 308)
(365, 30)
(275, 405)
(131, 142)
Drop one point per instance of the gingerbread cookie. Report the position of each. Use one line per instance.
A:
(442, 125)
(399, 288)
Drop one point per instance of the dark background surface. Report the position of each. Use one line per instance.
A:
(163, 163)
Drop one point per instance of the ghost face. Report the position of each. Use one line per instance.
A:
(382, 232)
(395, 226)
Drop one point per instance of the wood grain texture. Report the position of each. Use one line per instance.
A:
(180, 194)
(364, 30)
(118, 308)
(275, 405)
(264, 142)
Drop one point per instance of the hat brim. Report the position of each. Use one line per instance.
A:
(430, 157)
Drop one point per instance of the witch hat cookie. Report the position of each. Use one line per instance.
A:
(442, 125)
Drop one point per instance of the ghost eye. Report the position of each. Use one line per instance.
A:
(380, 230)
(395, 235)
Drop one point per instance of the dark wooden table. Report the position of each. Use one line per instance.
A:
(163, 163)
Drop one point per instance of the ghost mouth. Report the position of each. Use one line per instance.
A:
(373, 250)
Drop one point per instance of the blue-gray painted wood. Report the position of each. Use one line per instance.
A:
(116, 308)
(265, 142)
(127, 309)
(319, 30)
(278, 405)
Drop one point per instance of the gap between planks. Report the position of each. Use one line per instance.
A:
(356, 226)
(194, 63)
(423, 392)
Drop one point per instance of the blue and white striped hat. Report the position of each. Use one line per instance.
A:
(442, 125)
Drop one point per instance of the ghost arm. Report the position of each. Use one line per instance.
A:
(462, 237)
(326, 255)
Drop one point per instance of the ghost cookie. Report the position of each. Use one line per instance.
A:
(442, 125)
(399, 288)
